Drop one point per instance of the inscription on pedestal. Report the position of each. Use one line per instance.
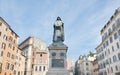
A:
(58, 63)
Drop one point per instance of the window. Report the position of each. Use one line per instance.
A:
(12, 56)
(26, 51)
(118, 21)
(108, 70)
(44, 68)
(13, 48)
(119, 32)
(10, 38)
(102, 38)
(105, 53)
(3, 46)
(14, 41)
(109, 31)
(6, 29)
(115, 36)
(107, 43)
(110, 60)
(102, 56)
(86, 63)
(112, 48)
(5, 37)
(118, 45)
(32, 66)
(33, 53)
(16, 57)
(0, 23)
(15, 36)
(87, 69)
(113, 26)
(107, 61)
(114, 58)
(116, 67)
(101, 48)
(105, 34)
(10, 45)
(12, 66)
(104, 45)
(119, 56)
(7, 65)
(19, 73)
(111, 40)
(36, 68)
(14, 72)
(40, 55)
(0, 33)
(108, 51)
(0, 66)
(5, 73)
(39, 68)
(88, 74)
(8, 54)
(104, 65)
(111, 69)
(1, 53)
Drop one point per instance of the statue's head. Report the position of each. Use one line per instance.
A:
(58, 22)
(58, 18)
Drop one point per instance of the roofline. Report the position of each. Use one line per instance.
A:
(98, 45)
(25, 40)
(8, 26)
(104, 27)
(21, 53)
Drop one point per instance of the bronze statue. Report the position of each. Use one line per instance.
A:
(58, 31)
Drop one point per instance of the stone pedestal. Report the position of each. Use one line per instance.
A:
(57, 59)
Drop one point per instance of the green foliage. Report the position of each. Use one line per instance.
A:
(91, 54)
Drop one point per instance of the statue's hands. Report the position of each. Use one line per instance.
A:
(58, 23)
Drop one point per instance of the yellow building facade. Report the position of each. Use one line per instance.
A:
(9, 50)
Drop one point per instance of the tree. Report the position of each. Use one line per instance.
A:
(91, 54)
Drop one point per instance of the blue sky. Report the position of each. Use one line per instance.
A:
(83, 20)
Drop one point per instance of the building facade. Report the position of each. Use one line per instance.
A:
(9, 50)
(108, 52)
(84, 65)
(95, 69)
(70, 66)
(40, 62)
(36, 56)
(19, 63)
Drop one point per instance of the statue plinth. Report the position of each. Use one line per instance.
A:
(57, 60)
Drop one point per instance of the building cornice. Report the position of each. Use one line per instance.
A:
(8, 26)
(25, 40)
(117, 11)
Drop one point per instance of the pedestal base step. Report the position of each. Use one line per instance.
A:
(60, 72)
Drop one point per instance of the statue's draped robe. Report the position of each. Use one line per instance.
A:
(58, 31)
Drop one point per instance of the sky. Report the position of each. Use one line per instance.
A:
(83, 20)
